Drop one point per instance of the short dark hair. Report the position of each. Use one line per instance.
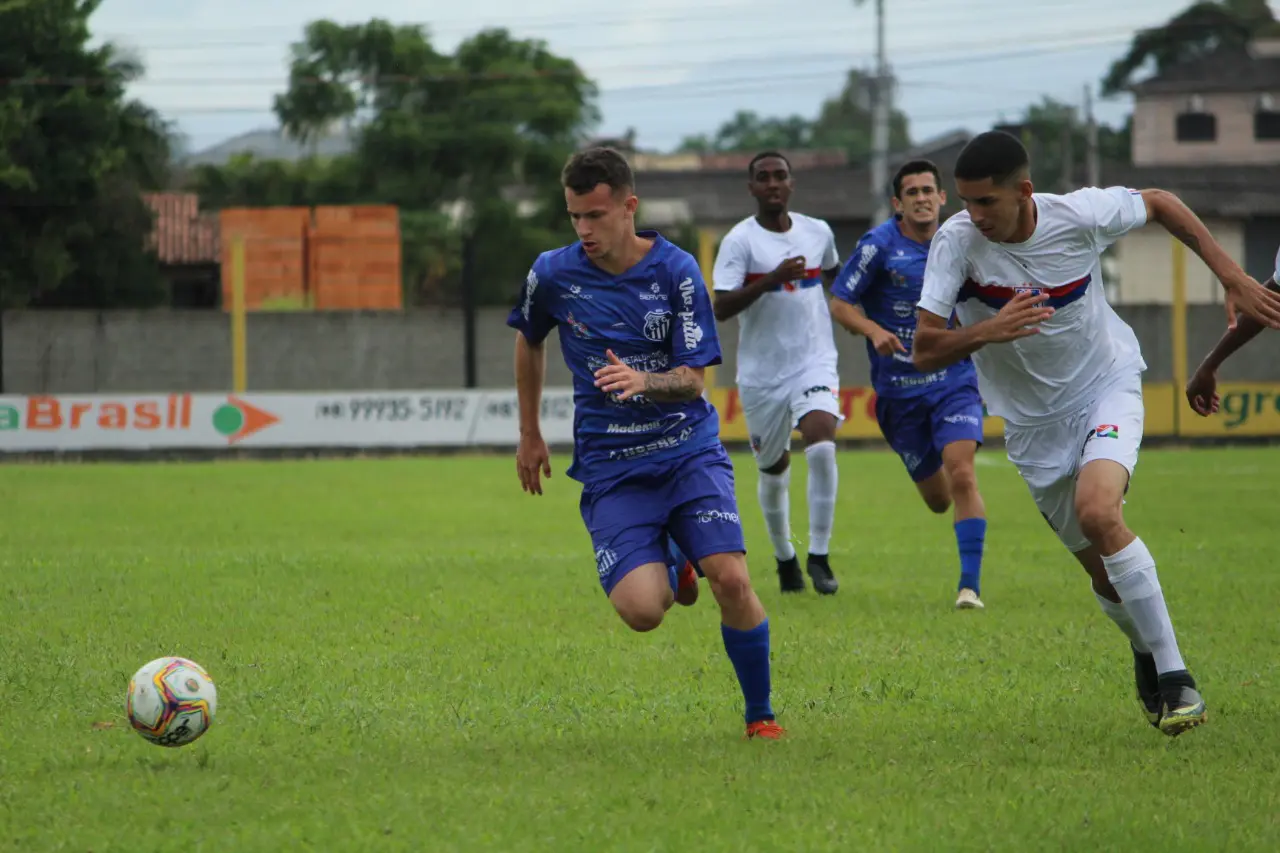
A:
(915, 167)
(765, 155)
(594, 166)
(995, 154)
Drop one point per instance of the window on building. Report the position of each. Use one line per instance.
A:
(1197, 127)
(1195, 123)
(1266, 119)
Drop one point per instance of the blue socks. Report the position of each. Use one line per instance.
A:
(749, 653)
(970, 536)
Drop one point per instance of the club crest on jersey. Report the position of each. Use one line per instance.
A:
(580, 329)
(657, 325)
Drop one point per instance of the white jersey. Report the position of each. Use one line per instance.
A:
(787, 330)
(1084, 345)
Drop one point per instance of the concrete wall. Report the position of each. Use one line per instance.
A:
(124, 351)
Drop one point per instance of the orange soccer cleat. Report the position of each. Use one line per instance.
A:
(767, 729)
(687, 586)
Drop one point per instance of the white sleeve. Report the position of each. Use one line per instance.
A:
(1112, 212)
(831, 256)
(944, 272)
(1276, 275)
(730, 270)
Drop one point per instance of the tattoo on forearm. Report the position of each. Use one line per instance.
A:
(1183, 233)
(670, 387)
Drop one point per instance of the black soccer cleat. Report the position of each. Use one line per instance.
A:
(1182, 707)
(824, 580)
(790, 578)
(1148, 682)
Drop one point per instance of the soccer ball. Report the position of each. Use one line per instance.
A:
(171, 701)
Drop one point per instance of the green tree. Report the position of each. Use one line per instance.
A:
(843, 121)
(434, 129)
(1057, 140)
(1199, 30)
(74, 155)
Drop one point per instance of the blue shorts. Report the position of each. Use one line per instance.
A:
(917, 428)
(635, 520)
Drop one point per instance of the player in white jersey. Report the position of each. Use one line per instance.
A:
(1021, 272)
(771, 271)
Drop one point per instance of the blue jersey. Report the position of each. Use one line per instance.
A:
(655, 317)
(885, 274)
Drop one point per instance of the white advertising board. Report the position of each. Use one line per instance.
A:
(356, 419)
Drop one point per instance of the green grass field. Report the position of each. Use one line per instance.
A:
(411, 654)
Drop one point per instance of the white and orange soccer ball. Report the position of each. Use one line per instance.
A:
(171, 701)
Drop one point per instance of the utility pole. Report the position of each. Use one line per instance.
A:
(1092, 176)
(880, 124)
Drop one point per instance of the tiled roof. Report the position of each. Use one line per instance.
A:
(1222, 71)
(1229, 191)
(829, 192)
(181, 234)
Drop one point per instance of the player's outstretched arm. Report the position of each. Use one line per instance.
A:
(936, 346)
(1202, 387)
(533, 459)
(1243, 292)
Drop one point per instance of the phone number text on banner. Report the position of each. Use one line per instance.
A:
(76, 422)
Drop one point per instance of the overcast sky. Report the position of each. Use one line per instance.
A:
(672, 68)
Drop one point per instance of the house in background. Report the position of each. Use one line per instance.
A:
(710, 191)
(1208, 130)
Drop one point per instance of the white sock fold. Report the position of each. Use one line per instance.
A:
(774, 493)
(1117, 613)
(1132, 571)
(824, 480)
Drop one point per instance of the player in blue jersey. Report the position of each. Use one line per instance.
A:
(636, 330)
(933, 421)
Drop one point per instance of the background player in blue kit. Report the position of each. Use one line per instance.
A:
(636, 330)
(932, 420)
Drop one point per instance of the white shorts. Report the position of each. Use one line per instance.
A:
(773, 413)
(1049, 457)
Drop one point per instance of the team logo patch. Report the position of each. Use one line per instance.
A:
(657, 325)
(817, 389)
(756, 443)
(903, 308)
(579, 328)
(1107, 431)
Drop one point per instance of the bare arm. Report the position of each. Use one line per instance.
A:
(531, 372)
(731, 303)
(1246, 330)
(1174, 216)
(682, 383)
(854, 319)
(935, 346)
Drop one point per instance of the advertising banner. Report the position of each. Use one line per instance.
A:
(460, 418)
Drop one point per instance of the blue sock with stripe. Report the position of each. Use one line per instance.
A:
(749, 653)
(971, 535)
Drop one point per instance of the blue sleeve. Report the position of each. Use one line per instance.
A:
(694, 341)
(865, 264)
(530, 315)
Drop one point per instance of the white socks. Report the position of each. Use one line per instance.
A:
(1120, 616)
(824, 478)
(1133, 573)
(773, 490)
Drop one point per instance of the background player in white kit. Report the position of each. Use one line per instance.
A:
(1021, 270)
(772, 270)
